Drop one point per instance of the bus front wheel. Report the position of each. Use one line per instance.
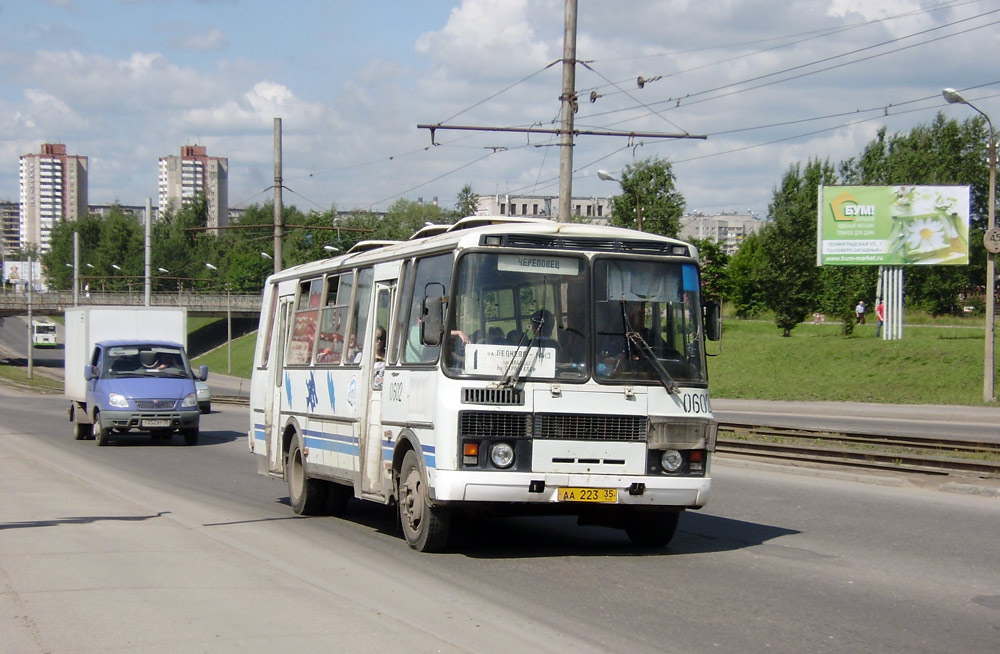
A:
(651, 528)
(425, 526)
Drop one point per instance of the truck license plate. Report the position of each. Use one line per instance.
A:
(609, 495)
(156, 422)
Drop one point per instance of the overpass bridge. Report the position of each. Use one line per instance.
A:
(197, 304)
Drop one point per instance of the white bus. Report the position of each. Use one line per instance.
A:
(43, 332)
(495, 364)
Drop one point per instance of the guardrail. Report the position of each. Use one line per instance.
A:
(56, 302)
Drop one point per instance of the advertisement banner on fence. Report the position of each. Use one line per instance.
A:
(893, 226)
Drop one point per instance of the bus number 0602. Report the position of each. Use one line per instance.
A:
(696, 403)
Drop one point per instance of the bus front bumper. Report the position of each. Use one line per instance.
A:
(541, 488)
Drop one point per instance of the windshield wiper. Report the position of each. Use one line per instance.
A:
(510, 380)
(635, 339)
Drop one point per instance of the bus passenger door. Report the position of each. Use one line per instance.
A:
(276, 388)
(372, 471)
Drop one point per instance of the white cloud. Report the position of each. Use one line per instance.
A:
(207, 41)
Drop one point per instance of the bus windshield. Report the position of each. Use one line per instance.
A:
(561, 316)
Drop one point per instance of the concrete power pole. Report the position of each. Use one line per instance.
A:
(277, 196)
(569, 106)
(148, 286)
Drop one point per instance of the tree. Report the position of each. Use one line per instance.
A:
(841, 287)
(467, 202)
(743, 278)
(789, 276)
(714, 282)
(649, 186)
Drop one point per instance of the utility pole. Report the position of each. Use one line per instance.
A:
(148, 285)
(277, 196)
(566, 131)
(569, 106)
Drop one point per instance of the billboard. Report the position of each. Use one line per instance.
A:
(893, 225)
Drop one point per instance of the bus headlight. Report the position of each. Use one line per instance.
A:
(502, 455)
(671, 460)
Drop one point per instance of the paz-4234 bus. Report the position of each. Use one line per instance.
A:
(497, 364)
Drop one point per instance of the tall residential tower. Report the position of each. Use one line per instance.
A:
(53, 188)
(191, 174)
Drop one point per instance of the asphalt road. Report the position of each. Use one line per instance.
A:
(152, 547)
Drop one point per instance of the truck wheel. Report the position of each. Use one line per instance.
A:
(651, 528)
(101, 432)
(82, 431)
(307, 496)
(425, 526)
(191, 436)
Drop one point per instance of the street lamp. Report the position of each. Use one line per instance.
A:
(331, 249)
(267, 256)
(608, 177)
(954, 97)
(164, 271)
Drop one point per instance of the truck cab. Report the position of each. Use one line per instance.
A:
(147, 386)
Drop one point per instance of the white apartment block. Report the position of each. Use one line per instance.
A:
(10, 227)
(193, 173)
(597, 210)
(726, 229)
(53, 188)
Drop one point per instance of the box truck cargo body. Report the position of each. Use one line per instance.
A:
(127, 369)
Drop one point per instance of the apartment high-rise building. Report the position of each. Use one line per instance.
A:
(193, 173)
(53, 188)
(728, 229)
(10, 226)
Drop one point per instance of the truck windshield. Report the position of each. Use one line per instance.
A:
(146, 360)
(560, 316)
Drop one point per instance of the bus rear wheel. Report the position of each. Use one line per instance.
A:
(307, 496)
(651, 528)
(425, 526)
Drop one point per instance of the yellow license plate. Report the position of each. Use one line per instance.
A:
(609, 495)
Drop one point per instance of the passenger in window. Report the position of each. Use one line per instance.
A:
(380, 343)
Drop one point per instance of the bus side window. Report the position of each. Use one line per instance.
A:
(403, 294)
(333, 319)
(300, 346)
(435, 271)
(359, 316)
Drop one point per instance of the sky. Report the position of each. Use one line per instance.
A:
(770, 83)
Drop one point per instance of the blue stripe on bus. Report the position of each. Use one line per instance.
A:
(348, 444)
(331, 442)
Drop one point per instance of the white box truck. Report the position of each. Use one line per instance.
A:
(127, 369)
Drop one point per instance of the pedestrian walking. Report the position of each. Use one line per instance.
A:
(880, 316)
(859, 312)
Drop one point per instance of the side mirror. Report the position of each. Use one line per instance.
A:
(88, 372)
(203, 373)
(713, 321)
(432, 320)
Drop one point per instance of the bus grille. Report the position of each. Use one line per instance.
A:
(590, 427)
(494, 396)
(493, 424)
(545, 241)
